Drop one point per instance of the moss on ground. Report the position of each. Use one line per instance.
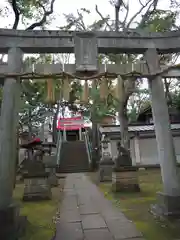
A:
(136, 207)
(41, 214)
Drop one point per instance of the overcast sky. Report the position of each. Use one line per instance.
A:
(70, 6)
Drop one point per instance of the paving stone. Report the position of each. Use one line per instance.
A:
(98, 234)
(70, 231)
(88, 209)
(86, 215)
(69, 203)
(70, 216)
(93, 221)
(122, 230)
(110, 214)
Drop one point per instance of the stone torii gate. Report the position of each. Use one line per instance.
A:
(86, 46)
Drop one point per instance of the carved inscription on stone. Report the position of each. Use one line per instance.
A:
(86, 52)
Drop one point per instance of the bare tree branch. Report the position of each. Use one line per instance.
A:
(16, 13)
(44, 18)
(81, 20)
(126, 16)
(138, 12)
(103, 18)
(140, 2)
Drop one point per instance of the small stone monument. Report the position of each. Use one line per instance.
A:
(106, 163)
(50, 164)
(36, 182)
(124, 176)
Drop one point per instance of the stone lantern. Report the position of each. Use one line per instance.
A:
(106, 163)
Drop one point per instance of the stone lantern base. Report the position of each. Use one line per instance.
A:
(12, 225)
(36, 182)
(52, 179)
(106, 169)
(50, 165)
(125, 179)
(167, 206)
(37, 188)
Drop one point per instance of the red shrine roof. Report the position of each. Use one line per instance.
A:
(74, 123)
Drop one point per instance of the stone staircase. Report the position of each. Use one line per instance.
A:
(73, 157)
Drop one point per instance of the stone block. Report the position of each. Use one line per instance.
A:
(52, 179)
(105, 173)
(166, 206)
(12, 225)
(123, 181)
(86, 52)
(34, 169)
(50, 161)
(36, 189)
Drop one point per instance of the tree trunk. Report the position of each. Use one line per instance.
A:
(167, 92)
(123, 119)
(29, 125)
(54, 130)
(94, 145)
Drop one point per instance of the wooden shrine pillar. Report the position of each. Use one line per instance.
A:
(169, 200)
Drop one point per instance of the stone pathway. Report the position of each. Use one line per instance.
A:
(86, 215)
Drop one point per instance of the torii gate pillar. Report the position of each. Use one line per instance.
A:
(8, 141)
(169, 200)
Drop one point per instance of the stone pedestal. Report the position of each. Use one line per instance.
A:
(105, 169)
(105, 173)
(11, 224)
(166, 206)
(125, 180)
(36, 182)
(50, 164)
(37, 188)
(52, 179)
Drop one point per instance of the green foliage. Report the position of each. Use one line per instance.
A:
(31, 11)
(176, 100)
(160, 21)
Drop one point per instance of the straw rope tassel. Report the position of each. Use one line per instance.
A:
(50, 91)
(104, 88)
(85, 93)
(94, 83)
(66, 89)
(119, 88)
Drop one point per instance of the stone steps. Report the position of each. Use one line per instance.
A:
(74, 157)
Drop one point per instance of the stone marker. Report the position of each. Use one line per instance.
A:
(106, 163)
(36, 182)
(50, 164)
(105, 168)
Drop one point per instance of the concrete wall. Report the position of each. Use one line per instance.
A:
(144, 150)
